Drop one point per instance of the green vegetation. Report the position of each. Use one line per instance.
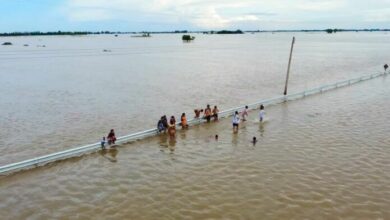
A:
(226, 32)
(331, 31)
(38, 33)
(188, 38)
(230, 32)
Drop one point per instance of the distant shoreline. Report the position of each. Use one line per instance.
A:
(78, 33)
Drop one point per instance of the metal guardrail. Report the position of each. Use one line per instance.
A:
(78, 151)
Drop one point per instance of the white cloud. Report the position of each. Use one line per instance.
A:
(216, 14)
(379, 15)
(200, 13)
(321, 5)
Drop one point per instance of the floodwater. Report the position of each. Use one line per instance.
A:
(321, 157)
(71, 93)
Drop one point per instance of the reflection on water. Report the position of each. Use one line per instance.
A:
(167, 142)
(163, 140)
(172, 143)
(110, 154)
(261, 129)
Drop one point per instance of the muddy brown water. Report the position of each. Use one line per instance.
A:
(322, 157)
(71, 92)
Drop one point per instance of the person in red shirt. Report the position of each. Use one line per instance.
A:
(111, 137)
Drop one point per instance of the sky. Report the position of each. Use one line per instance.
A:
(169, 15)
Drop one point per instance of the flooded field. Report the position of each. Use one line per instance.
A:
(73, 90)
(322, 157)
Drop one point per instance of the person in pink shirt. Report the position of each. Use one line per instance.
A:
(244, 113)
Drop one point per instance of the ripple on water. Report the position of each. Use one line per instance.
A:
(318, 159)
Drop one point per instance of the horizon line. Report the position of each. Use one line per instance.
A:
(197, 31)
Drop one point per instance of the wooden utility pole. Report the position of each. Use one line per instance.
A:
(289, 64)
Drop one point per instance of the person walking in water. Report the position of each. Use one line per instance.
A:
(103, 142)
(244, 113)
(183, 120)
(385, 67)
(111, 137)
(254, 140)
(197, 112)
(215, 113)
(207, 113)
(236, 121)
(172, 127)
(165, 122)
(261, 113)
(160, 125)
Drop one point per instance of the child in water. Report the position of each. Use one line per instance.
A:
(261, 113)
(184, 121)
(244, 113)
(254, 140)
(103, 142)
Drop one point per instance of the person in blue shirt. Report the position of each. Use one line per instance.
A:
(103, 142)
(160, 125)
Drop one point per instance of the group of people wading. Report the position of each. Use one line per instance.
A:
(111, 138)
(163, 125)
(244, 114)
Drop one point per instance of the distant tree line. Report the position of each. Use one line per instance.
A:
(224, 32)
(38, 33)
(331, 31)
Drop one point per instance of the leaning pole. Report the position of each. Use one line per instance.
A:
(289, 64)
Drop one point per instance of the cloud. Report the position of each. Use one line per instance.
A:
(321, 5)
(378, 15)
(200, 13)
(216, 14)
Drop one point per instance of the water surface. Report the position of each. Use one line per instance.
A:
(71, 93)
(322, 157)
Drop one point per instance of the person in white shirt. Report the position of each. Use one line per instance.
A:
(262, 113)
(236, 121)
